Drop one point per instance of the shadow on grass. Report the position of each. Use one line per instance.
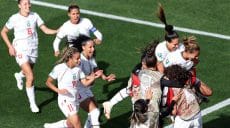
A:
(121, 121)
(47, 101)
(221, 122)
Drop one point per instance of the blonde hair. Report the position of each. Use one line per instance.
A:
(66, 54)
(190, 44)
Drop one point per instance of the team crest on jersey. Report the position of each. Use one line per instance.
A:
(160, 55)
(28, 23)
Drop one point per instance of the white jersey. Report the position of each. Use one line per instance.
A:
(72, 31)
(25, 27)
(162, 51)
(176, 58)
(67, 78)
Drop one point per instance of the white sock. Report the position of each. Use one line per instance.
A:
(30, 94)
(59, 124)
(94, 117)
(122, 94)
(21, 74)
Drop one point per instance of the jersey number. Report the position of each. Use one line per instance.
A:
(29, 31)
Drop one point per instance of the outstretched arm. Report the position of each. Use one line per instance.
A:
(47, 30)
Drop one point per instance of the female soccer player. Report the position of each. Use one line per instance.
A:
(185, 107)
(69, 76)
(25, 45)
(149, 63)
(170, 44)
(89, 66)
(75, 26)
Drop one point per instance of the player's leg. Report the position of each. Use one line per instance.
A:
(89, 105)
(119, 96)
(26, 68)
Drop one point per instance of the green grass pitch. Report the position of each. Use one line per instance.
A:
(118, 54)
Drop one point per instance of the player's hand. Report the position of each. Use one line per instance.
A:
(111, 77)
(98, 73)
(56, 54)
(62, 91)
(97, 41)
(12, 51)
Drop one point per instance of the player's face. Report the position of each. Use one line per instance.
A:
(74, 15)
(194, 55)
(75, 59)
(88, 49)
(24, 6)
(173, 45)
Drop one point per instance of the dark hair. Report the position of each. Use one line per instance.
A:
(73, 7)
(19, 1)
(177, 73)
(148, 54)
(80, 41)
(139, 114)
(191, 44)
(170, 33)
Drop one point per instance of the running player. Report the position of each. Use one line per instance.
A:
(25, 45)
(68, 75)
(75, 26)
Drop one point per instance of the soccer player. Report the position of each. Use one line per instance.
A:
(134, 82)
(75, 26)
(25, 45)
(68, 75)
(170, 44)
(185, 107)
(140, 117)
(89, 66)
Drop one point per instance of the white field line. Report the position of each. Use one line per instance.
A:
(211, 109)
(132, 20)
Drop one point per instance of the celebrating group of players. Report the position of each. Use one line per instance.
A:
(163, 83)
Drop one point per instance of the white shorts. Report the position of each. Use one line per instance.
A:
(25, 53)
(84, 93)
(67, 107)
(195, 122)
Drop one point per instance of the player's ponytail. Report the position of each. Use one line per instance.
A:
(139, 114)
(148, 54)
(170, 33)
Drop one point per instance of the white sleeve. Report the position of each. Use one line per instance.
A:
(159, 55)
(39, 20)
(82, 74)
(54, 73)
(98, 35)
(56, 44)
(10, 23)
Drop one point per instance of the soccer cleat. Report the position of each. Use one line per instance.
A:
(34, 108)
(19, 81)
(107, 109)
